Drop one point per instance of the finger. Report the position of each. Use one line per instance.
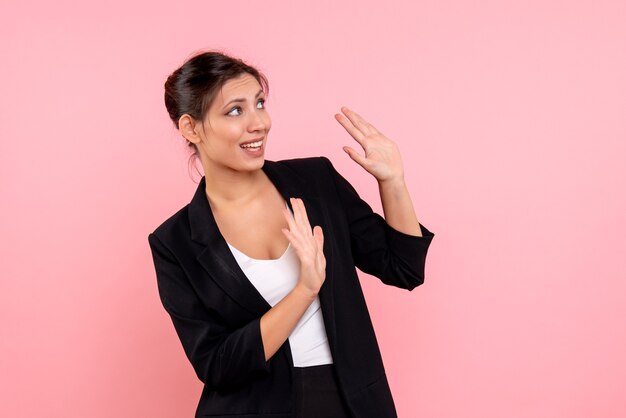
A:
(302, 218)
(298, 233)
(297, 215)
(295, 240)
(358, 121)
(306, 223)
(356, 157)
(319, 237)
(363, 123)
(350, 128)
(290, 219)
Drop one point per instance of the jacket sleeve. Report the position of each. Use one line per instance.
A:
(222, 358)
(396, 258)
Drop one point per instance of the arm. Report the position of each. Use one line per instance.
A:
(278, 323)
(224, 357)
(398, 207)
(393, 249)
(382, 160)
(221, 357)
(395, 257)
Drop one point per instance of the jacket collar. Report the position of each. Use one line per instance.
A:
(217, 259)
(204, 229)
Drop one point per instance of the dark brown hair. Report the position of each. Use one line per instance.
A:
(192, 88)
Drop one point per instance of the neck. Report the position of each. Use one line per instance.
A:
(228, 187)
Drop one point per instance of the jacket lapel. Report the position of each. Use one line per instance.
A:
(219, 262)
(217, 259)
(291, 184)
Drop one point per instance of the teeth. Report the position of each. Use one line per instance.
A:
(252, 145)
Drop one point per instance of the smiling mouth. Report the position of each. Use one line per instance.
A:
(252, 145)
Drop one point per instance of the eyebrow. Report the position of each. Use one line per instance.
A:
(241, 99)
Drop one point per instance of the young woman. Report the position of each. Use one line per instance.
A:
(258, 272)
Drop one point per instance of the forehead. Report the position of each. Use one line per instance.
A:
(240, 87)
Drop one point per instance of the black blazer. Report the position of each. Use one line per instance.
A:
(216, 311)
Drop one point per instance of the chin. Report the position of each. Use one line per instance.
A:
(251, 165)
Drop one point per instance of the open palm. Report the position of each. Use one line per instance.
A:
(382, 156)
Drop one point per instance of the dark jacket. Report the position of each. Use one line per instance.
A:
(216, 311)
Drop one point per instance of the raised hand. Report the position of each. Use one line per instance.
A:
(309, 246)
(382, 156)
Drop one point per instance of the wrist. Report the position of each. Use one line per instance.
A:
(392, 184)
(304, 292)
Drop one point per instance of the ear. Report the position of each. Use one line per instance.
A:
(188, 128)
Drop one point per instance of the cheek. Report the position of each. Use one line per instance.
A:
(230, 132)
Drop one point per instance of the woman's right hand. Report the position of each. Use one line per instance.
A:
(309, 246)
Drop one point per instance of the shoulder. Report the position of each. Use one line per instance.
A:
(175, 225)
(314, 173)
(302, 164)
(310, 168)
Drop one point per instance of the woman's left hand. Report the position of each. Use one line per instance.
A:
(382, 156)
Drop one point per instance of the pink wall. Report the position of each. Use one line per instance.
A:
(511, 119)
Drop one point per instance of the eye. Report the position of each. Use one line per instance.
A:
(262, 102)
(235, 111)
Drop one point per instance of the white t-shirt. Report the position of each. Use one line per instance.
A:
(274, 279)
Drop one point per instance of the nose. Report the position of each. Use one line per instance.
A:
(259, 121)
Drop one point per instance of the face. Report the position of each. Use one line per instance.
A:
(234, 130)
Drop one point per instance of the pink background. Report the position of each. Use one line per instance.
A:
(511, 119)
